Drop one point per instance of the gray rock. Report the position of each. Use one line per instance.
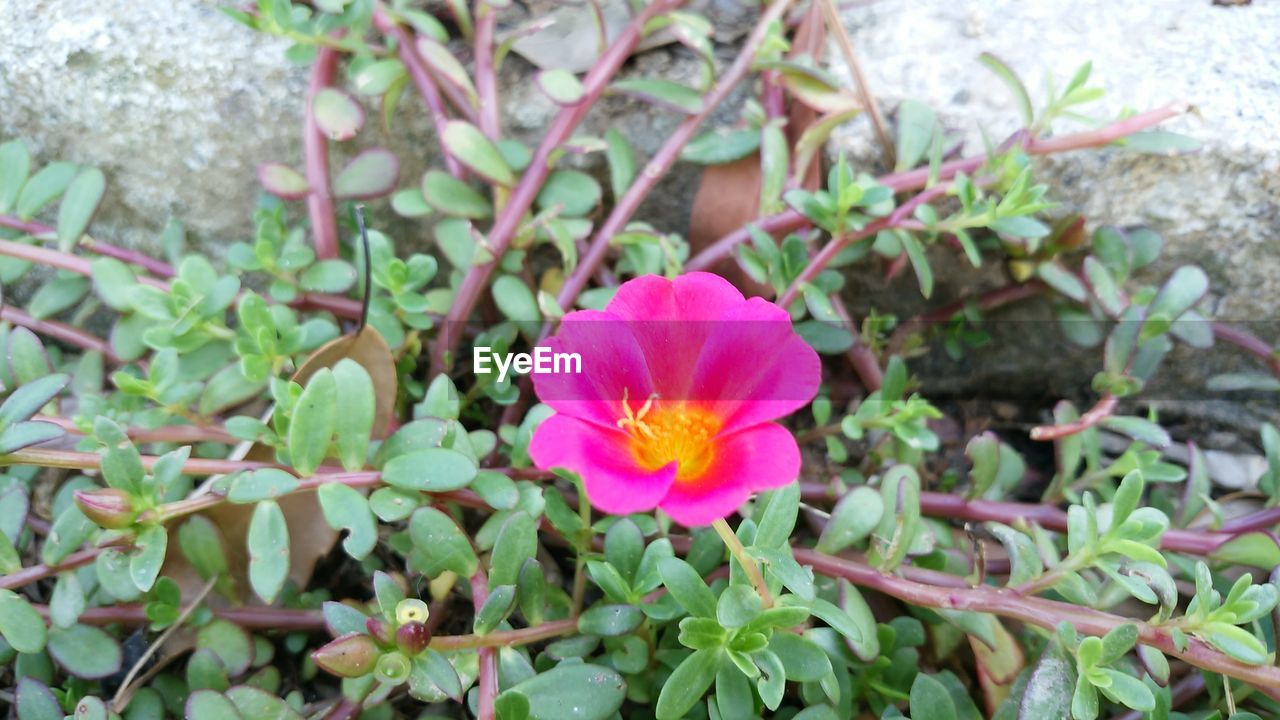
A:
(1219, 208)
(176, 102)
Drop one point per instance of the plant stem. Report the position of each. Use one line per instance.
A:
(486, 74)
(833, 248)
(1041, 612)
(488, 680)
(918, 178)
(421, 78)
(324, 221)
(522, 196)
(61, 332)
(1105, 406)
(666, 156)
(859, 79)
(747, 562)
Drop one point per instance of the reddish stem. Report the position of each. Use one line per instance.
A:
(61, 332)
(666, 157)
(488, 658)
(956, 507)
(183, 434)
(915, 179)
(1105, 406)
(324, 221)
(422, 80)
(522, 196)
(36, 229)
(864, 360)
(1250, 343)
(833, 248)
(486, 74)
(1038, 611)
(36, 573)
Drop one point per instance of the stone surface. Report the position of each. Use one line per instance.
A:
(173, 100)
(1219, 208)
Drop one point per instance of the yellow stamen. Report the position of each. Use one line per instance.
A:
(665, 433)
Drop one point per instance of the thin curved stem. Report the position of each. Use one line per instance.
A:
(324, 221)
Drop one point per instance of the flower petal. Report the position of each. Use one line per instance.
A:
(671, 320)
(613, 367)
(757, 458)
(613, 480)
(754, 367)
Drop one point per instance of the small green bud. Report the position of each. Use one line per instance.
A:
(351, 655)
(393, 668)
(111, 508)
(412, 638)
(411, 610)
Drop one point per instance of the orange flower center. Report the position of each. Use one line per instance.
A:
(679, 433)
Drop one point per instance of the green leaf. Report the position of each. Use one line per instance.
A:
(1128, 691)
(496, 608)
(573, 692)
(78, 206)
(354, 425)
(514, 299)
(1014, 83)
(328, 276)
(1139, 429)
(622, 162)
(916, 126)
(1160, 142)
(517, 542)
(802, 658)
(1234, 641)
(441, 543)
(34, 701)
(50, 182)
(228, 388)
(283, 181)
(854, 621)
(337, 114)
(779, 519)
(20, 624)
(1184, 288)
(207, 704)
(268, 544)
(346, 509)
(919, 262)
(148, 556)
(1062, 280)
(577, 193)
(737, 606)
(370, 174)
(312, 422)
(454, 197)
(687, 684)
(27, 400)
(202, 544)
(562, 86)
(772, 683)
(1020, 226)
(930, 699)
(687, 587)
(86, 652)
(470, 146)
(432, 469)
(610, 620)
(1022, 551)
(15, 164)
(264, 484)
(1050, 688)
(671, 95)
(230, 643)
(721, 146)
(25, 434)
(258, 704)
(378, 77)
(852, 519)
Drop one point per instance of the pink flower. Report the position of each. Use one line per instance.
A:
(680, 382)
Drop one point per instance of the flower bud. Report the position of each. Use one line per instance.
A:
(109, 507)
(380, 629)
(411, 610)
(393, 668)
(351, 655)
(412, 638)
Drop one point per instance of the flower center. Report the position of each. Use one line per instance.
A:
(662, 434)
